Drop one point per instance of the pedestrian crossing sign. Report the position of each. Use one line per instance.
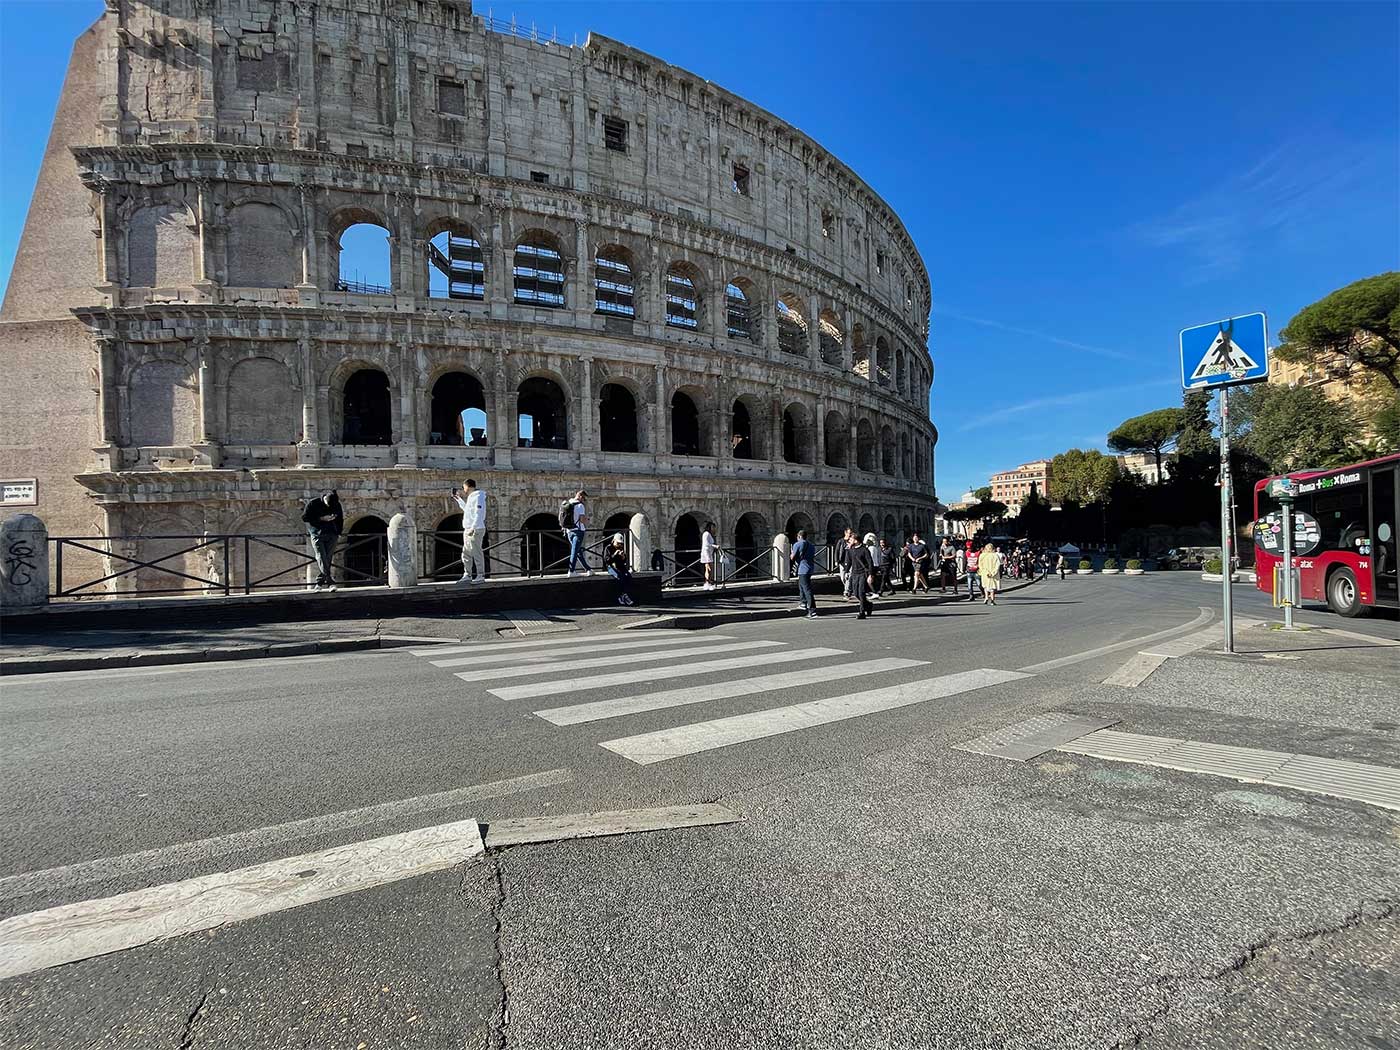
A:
(1224, 353)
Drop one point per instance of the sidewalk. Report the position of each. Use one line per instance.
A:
(39, 652)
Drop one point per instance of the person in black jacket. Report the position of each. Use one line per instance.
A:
(325, 520)
(862, 575)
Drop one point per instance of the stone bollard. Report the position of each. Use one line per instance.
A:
(403, 560)
(641, 542)
(782, 558)
(24, 562)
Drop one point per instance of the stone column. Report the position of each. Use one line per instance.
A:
(640, 530)
(814, 330)
(403, 560)
(408, 406)
(782, 557)
(203, 279)
(819, 456)
(108, 429)
(851, 458)
(504, 432)
(308, 289)
(24, 562)
(578, 285)
(775, 429)
(207, 448)
(587, 406)
(498, 267)
(661, 422)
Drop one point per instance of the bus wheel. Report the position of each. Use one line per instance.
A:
(1342, 596)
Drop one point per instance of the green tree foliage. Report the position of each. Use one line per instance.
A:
(1035, 520)
(1355, 329)
(1292, 428)
(1197, 430)
(1083, 477)
(983, 494)
(1385, 421)
(1154, 432)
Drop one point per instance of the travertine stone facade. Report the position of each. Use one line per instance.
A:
(720, 275)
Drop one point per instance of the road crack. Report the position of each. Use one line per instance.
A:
(192, 1022)
(1171, 986)
(496, 885)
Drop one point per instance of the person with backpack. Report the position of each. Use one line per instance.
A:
(573, 519)
(804, 562)
(619, 567)
(325, 521)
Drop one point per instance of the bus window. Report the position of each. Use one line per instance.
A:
(1383, 521)
(1341, 515)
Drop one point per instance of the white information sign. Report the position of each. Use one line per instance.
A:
(19, 492)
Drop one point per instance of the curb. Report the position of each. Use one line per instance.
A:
(21, 665)
(704, 620)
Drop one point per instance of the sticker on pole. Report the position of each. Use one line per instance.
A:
(1224, 353)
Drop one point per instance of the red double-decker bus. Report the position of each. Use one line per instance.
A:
(1344, 535)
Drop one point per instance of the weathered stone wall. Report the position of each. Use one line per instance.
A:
(229, 145)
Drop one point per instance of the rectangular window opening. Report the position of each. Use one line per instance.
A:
(741, 180)
(452, 98)
(615, 134)
(539, 176)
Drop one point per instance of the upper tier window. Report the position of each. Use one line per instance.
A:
(615, 134)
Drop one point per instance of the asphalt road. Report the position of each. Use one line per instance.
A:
(882, 889)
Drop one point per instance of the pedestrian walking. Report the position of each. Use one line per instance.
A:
(872, 549)
(843, 563)
(862, 573)
(887, 568)
(1060, 561)
(960, 568)
(573, 519)
(472, 502)
(707, 554)
(970, 560)
(325, 521)
(804, 562)
(917, 554)
(989, 570)
(619, 567)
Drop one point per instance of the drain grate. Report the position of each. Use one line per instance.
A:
(532, 621)
(1357, 781)
(1035, 736)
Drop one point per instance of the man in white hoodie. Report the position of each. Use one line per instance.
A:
(472, 501)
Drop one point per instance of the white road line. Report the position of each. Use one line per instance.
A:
(538, 650)
(72, 932)
(569, 666)
(659, 674)
(522, 644)
(649, 748)
(196, 665)
(1136, 671)
(1132, 643)
(89, 871)
(696, 694)
(516, 832)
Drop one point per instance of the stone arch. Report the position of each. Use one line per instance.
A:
(366, 413)
(741, 310)
(365, 552)
(276, 559)
(800, 520)
(906, 455)
(162, 404)
(751, 537)
(363, 256)
(457, 410)
(685, 547)
(690, 429)
(836, 526)
(748, 434)
(541, 399)
(162, 246)
(543, 549)
(619, 422)
(866, 526)
(683, 291)
(614, 282)
(883, 364)
(447, 548)
(866, 457)
(832, 338)
(887, 450)
(541, 270)
(455, 260)
(792, 325)
(838, 439)
(264, 403)
(263, 246)
(165, 544)
(860, 352)
(889, 527)
(799, 434)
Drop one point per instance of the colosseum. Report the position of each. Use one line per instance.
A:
(594, 270)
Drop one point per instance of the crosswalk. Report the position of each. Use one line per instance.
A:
(609, 679)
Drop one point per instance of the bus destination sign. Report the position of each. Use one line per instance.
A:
(1331, 481)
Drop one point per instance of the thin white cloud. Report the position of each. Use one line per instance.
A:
(1078, 397)
(1101, 351)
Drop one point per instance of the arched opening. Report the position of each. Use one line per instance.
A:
(832, 338)
(906, 457)
(866, 526)
(738, 310)
(617, 419)
(687, 550)
(908, 526)
(750, 538)
(367, 416)
(614, 286)
(860, 352)
(836, 527)
(744, 441)
(456, 265)
(865, 446)
(621, 521)
(838, 439)
(262, 247)
(539, 272)
(542, 414)
(890, 528)
(883, 364)
(797, 434)
(366, 552)
(801, 521)
(458, 413)
(543, 549)
(364, 260)
(683, 297)
(447, 548)
(792, 326)
(685, 426)
(887, 451)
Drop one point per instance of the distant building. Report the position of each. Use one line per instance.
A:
(1013, 486)
(1144, 465)
(1354, 390)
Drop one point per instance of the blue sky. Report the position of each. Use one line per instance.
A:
(1083, 180)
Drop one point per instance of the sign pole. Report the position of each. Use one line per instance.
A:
(1289, 598)
(1227, 545)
